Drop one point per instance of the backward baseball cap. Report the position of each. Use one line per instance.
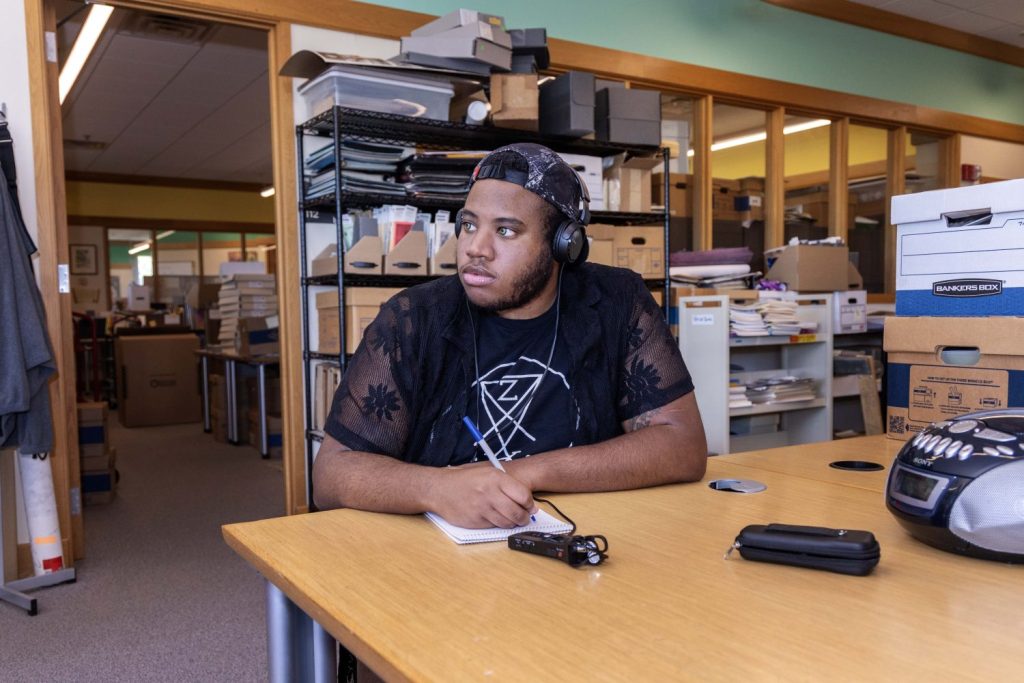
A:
(549, 177)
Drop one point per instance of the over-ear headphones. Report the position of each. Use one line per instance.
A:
(569, 244)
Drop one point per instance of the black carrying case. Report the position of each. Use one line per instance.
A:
(835, 550)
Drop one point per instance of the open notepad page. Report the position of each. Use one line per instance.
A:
(545, 523)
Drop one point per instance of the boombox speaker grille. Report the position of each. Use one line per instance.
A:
(989, 513)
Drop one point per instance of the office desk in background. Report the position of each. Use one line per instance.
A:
(665, 606)
(231, 362)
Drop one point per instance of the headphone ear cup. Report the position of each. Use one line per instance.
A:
(570, 243)
(458, 222)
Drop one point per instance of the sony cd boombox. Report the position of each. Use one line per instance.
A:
(959, 485)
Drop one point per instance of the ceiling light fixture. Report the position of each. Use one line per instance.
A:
(728, 143)
(87, 38)
(165, 233)
(139, 248)
(267, 192)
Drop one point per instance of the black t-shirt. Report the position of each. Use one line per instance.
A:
(520, 408)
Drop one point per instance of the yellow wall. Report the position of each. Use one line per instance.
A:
(167, 203)
(805, 152)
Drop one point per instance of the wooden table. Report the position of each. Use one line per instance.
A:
(231, 361)
(666, 606)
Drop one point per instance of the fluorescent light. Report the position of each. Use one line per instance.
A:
(267, 191)
(138, 248)
(758, 137)
(165, 233)
(98, 17)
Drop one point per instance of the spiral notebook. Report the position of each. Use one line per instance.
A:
(545, 523)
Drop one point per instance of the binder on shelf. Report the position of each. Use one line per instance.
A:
(443, 262)
(365, 257)
(409, 256)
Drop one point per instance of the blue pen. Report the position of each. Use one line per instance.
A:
(486, 449)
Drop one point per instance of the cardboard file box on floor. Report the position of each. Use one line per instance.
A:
(938, 370)
(813, 268)
(958, 251)
(362, 304)
(157, 379)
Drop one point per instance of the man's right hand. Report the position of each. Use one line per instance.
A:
(478, 496)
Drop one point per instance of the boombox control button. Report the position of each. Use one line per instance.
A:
(989, 450)
(994, 435)
(965, 452)
(942, 445)
(1005, 450)
(962, 426)
(930, 443)
(919, 438)
(953, 448)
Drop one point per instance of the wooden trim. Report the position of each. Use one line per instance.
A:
(949, 161)
(293, 401)
(703, 125)
(639, 70)
(162, 224)
(158, 181)
(775, 184)
(199, 240)
(895, 183)
(106, 272)
(904, 26)
(52, 240)
(839, 178)
(155, 248)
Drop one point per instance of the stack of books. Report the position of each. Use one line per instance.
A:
(781, 317)
(786, 389)
(244, 296)
(745, 320)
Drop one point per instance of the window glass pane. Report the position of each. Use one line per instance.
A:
(868, 153)
(738, 157)
(924, 159)
(806, 142)
(177, 264)
(262, 247)
(676, 133)
(220, 247)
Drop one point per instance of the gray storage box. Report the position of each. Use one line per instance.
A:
(629, 116)
(567, 104)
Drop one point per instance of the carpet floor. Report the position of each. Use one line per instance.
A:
(159, 595)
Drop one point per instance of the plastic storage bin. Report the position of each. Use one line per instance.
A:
(377, 90)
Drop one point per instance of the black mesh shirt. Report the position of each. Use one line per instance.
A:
(408, 386)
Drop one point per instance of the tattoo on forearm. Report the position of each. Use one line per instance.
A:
(642, 420)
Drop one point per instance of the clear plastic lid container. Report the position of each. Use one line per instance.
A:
(377, 90)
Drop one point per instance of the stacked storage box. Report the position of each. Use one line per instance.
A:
(241, 297)
(98, 459)
(954, 343)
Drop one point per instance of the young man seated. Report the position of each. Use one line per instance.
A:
(568, 369)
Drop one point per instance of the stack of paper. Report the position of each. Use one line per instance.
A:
(244, 296)
(745, 320)
(781, 317)
(439, 175)
(785, 389)
(714, 276)
(738, 396)
(365, 167)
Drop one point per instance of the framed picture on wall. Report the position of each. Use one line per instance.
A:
(83, 259)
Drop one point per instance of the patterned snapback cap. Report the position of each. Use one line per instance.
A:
(549, 177)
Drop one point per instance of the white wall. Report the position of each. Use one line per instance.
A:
(1003, 160)
(14, 94)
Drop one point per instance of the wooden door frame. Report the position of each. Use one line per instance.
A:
(53, 245)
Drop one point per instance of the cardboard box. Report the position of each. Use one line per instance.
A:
(628, 184)
(258, 336)
(95, 459)
(628, 116)
(810, 267)
(157, 379)
(938, 371)
(362, 304)
(515, 101)
(326, 262)
(958, 251)
(567, 104)
(409, 256)
(679, 194)
(638, 248)
(850, 312)
(99, 487)
(602, 251)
